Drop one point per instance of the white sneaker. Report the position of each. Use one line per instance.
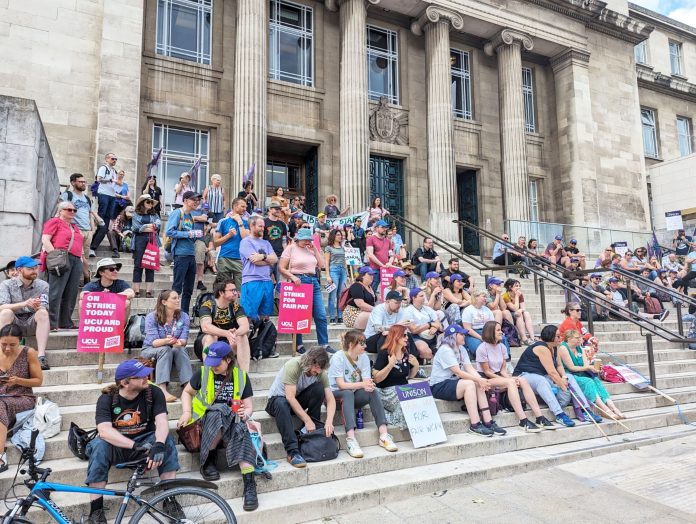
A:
(92, 254)
(387, 442)
(354, 448)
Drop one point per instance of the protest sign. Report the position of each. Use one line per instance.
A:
(353, 256)
(421, 414)
(102, 322)
(339, 221)
(635, 379)
(673, 221)
(295, 308)
(386, 275)
(620, 248)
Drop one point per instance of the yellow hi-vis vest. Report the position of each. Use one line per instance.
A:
(206, 395)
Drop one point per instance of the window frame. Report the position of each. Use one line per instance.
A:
(530, 120)
(640, 53)
(685, 139)
(464, 75)
(165, 48)
(270, 162)
(392, 57)
(653, 115)
(275, 27)
(676, 57)
(533, 195)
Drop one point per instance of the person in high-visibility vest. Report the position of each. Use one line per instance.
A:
(220, 396)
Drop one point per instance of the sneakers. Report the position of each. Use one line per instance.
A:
(544, 423)
(92, 254)
(330, 350)
(562, 418)
(297, 461)
(480, 429)
(44, 363)
(201, 286)
(596, 418)
(300, 350)
(529, 426)
(495, 428)
(421, 373)
(387, 442)
(97, 517)
(662, 316)
(354, 448)
(115, 254)
(173, 509)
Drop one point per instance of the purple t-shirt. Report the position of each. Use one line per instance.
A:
(247, 247)
(495, 355)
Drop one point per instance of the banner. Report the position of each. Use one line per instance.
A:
(620, 248)
(295, 308)
(338, 222)
(386, 275)
(102, 322)
(353, 257)
(421, 414)
(673, 221)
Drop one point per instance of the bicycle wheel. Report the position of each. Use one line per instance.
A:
(190, 505)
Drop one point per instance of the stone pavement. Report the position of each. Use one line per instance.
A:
(653, 484)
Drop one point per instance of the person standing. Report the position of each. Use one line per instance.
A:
(230, 232)
(146, 225)
(250, 199)
(215, 196)
(151, 188)
(336, 272)
(258, 259)
(378, 251)
(105, 199)
(180, 230)
(121, 198)
(276, 233)
(181, 188)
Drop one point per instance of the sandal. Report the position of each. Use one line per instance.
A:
(170, 398)
(148, 294)
(3, 460)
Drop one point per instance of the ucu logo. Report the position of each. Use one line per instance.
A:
(91, 341)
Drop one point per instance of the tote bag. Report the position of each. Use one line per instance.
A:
(151, 256)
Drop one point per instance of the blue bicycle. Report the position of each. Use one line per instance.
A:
(180, 501)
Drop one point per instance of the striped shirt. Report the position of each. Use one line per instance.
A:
(215, 199)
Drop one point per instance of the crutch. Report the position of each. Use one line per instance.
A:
(611, 416)
(587, 412)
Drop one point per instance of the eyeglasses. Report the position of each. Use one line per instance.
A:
(70, 210)
(363, 342)
(233, 290)
(575, 310)
(110, 269)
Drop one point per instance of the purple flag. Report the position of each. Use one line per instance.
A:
(250, 173)
(153, 163)
(194, 171)
(654, 249)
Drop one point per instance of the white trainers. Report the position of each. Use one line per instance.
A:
(387, 442)
(354, 448)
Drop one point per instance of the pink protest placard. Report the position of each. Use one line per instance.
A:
(316, 240)
(295, 308)
(386, 275)
(102, 322)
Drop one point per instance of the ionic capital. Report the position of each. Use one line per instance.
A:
(433, 15)
(508, 37)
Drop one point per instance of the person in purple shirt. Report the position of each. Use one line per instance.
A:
(258, 259)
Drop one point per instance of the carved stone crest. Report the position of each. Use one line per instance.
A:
(387, 125)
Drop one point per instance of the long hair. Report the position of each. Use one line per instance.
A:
(372, 205)
(315, 356)
(161, 309)
(147, 180)
(569, 306)
(394, 336)
(450, 341)
(332, 236)
(11, 330)
(351, 338)
(509, 283)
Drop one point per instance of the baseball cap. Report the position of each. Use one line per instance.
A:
(432, 274)
(662, 270)
(297, 215)
(322, 214)
(399, 273)
(612, 279)
(575, 259)
(303, 234)
(274, 205)
(366, 269)
(190, 194)
(393, 295)
(558, 237)
(573, 241)
(25, 262)
(381, 223)
(455, 328)
(132, 368)
(596, 275)
(216, 352)
(456, 276)
(414, 292)
(494, 281)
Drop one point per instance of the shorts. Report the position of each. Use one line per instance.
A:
(201, 251)
(86, 243)
(27, 323)
(446, 390)
(257, 298)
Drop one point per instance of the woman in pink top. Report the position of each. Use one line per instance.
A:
(377, 212)
(60, 233)
(299, 263)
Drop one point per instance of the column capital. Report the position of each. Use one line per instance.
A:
(570, 56)
(508, 37)
(333, 5)
(433, 15)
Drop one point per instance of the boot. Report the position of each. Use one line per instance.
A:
(208, 470)
(251, 501)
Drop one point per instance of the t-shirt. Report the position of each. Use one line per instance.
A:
(381, 318)
(302, 260)
(691, 261)
(681, 246)
(331, 211)
(420, 316)
(358, 291)
(223, 318)
(498, 250)
(551, 248)
(448, 273)
(227, 392)
(341, 367)
(82, 218)
(398, 375)
(477, 317)
(251, 272)
(130, 417)
(230, 249)
(337, 256)
(381, 248)
(117, 286)
(494, 354)
(507, 298)
(178, 226)
(444, 359)
(428, 254)
(60, 235)
(105, 176)
(274, 232)
(291, 374)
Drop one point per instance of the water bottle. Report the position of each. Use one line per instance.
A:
(554, 389)
(284, 241)
(359, 419)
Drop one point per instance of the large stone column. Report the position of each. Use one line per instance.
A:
(577, 175)
(250, 79)
(353, 103)
(508, 46)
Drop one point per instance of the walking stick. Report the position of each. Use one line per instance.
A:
(100, 370)
(612, 417)
(294, 344)
(570, 389)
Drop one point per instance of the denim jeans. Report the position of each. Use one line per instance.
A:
(424, 268)
(339, 276)
(318, 312)
(184, 279)
(106, 205)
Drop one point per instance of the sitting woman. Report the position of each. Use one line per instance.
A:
(456, 299)
(473, 319)
(220, 395)
(490, 363)
(576, 362)
(398, 283)
(424, 324)
(572, 311)
(361, 300)
(393, 367)
(514, 302)
(20, 371)
(454, 378)
(351, 382)
(166, 336)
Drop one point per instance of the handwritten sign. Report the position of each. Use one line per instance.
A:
(673, 221)
(386, 275)
(620, 248)
(421, 414)
(295, 308)
(102, 321)
(353, 256)
(635, 379)
(339, 222)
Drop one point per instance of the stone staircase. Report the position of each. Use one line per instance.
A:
(323, 489)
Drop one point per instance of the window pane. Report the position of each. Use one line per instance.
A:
(181, 142)
(377, 40)
(183, 29)
(290, 15)
(378, 76)
(382, 63)
(290, 43)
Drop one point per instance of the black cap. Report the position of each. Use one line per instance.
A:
(190, 194)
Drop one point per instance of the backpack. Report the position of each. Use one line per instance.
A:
(78, 439)
(262, 339)
(47, 418)
(315, 446)
(203, 297)
(167, 244)
(134, 334)
(70, 197)
(510, 332)
(343, 299)
(94, 187)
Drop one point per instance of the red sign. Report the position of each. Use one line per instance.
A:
(386, 275)
(102, 322)
(295, 308)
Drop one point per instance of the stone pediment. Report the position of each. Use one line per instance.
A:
(388, 124)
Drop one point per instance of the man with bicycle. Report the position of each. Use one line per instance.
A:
(131, 422)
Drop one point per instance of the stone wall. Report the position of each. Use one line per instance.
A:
(29, 187)
(673, 186)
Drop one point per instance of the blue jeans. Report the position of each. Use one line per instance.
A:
(106, 205)
(184, 279)
(473, 343)
(424, 268)
(375, 284)
(318, 312)
(339, 276)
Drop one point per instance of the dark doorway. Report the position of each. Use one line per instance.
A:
(294, 167)
(387, 183)
(467, 202)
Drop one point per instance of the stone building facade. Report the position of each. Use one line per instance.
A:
(478, 109)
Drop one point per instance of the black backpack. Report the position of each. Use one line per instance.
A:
(315, 446)
(196, 313)
(134, 334)
(78, 439)
(262, 339)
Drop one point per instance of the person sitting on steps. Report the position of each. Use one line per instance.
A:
(107, 280)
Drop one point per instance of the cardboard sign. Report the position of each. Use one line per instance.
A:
(620, 248)
(386, 275)
(295, 308)
(102, 322)
(421, 414)
(633, 378)
(353, 256)
(673, 221)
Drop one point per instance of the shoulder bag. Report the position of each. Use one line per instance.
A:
(190, 434)
(58, 261)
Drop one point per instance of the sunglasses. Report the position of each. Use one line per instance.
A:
(110, 269)
(70, 210)
(363, 342)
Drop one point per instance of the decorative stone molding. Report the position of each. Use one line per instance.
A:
(570, 56)
(387, 125)
(434, 14)
(666, 84)
(508, 37)
(332, 5)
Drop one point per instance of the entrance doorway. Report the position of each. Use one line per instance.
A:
(387, 183)
(467, 202)
(294, 167)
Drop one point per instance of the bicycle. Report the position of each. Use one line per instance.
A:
(177, 501)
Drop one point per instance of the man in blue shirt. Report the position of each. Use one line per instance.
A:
(230, 232)
(499, 251)
(180, 229)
